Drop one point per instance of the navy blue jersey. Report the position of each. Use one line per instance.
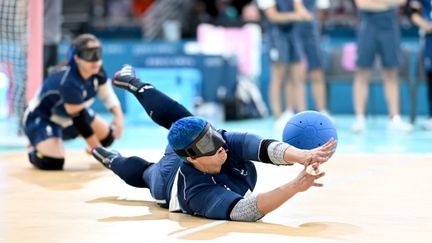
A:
(177, 185)
(64, 86)
(214, 196)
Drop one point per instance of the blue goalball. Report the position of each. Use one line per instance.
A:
(308, 130)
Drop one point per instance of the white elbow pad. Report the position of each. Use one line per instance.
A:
(107, 95)
(246, 210)
(276, 151)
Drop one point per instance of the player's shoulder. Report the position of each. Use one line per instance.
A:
(101, 76)
(57, 77)
(230, 135)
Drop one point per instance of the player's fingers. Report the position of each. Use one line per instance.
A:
(116, 134)
(318, 184)
(319, 175)
(326, 153)
(329, 145)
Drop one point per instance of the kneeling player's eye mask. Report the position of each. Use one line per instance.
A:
(90, 54)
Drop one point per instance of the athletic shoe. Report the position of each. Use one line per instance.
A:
(396, 124)
(283, 119)
(427, 125)
(105, 156)
(126, 79)
(359, 125)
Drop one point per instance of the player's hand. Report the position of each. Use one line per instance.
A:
(117, 125)
(429, 28)
(306, 180)
(88, 150)
(321, 154)
(304, 14)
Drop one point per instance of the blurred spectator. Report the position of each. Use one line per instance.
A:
(225, 11)
(52, 33)
(310, 42)
(420, 12)
(120, 11)
(198, 15)
(378, 34)
(250, 13)
(141, 6)
(99, 12)
(162, 11)
(341, 13)
(285, 55)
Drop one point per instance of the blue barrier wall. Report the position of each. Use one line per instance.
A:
(181, 84)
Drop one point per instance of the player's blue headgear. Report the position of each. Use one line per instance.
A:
(194, 137)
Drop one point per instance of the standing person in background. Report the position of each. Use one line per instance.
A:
(285, 54)
(309, 39)
(378, 34)
(52, 33)
(61, 108)
(420, 12)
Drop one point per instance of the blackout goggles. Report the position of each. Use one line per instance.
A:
(208, 142)
(92, 54)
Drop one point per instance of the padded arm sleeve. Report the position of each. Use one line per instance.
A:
(107, 95)
(272, 151)
(246, 210)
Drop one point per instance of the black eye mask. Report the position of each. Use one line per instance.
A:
(206, 144)
(93, 54)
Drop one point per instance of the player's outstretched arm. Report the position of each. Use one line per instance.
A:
(271, 200)
(254, 208)
(307, 157)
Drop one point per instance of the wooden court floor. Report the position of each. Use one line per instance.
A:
(366, 198)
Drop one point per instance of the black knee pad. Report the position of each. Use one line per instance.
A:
(43, 162)
(109, 139)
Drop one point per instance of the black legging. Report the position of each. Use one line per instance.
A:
(162, 109)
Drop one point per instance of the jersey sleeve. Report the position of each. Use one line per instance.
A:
(213, 201)
(102, 76)
(246, 146)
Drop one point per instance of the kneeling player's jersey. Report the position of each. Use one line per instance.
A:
(64, 86)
